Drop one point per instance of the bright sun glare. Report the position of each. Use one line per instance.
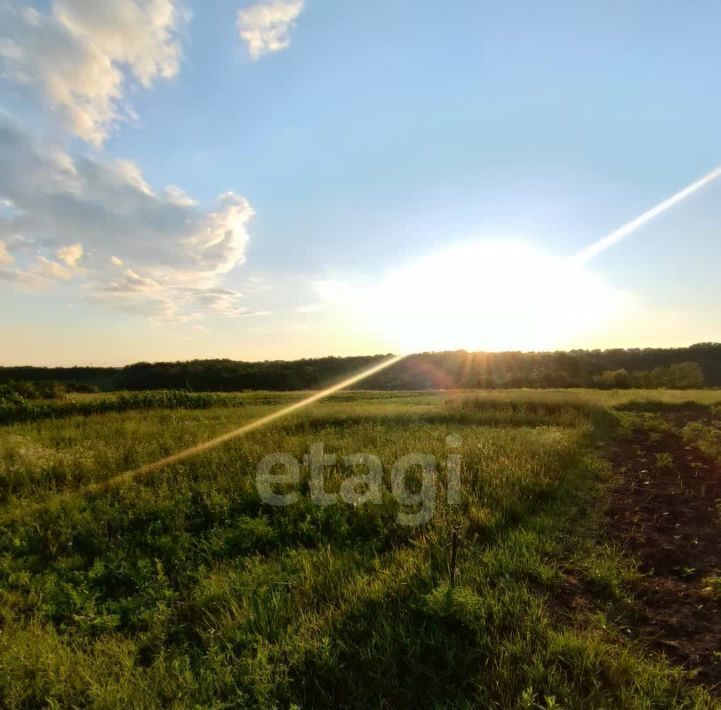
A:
(487, 295)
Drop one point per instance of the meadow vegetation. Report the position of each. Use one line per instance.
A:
(181, 589)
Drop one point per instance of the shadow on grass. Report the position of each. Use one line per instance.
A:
(651, 406)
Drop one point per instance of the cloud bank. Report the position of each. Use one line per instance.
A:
(95, 222)
(100, 224)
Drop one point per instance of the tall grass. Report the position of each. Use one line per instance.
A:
(182, 589)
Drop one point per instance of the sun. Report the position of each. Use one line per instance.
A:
(482, 295)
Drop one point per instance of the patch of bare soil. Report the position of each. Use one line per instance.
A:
(664, 509)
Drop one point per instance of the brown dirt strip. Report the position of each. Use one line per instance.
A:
(668, 517)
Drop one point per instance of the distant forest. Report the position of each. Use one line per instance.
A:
(695, 366)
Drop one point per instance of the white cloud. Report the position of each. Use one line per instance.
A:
(50, 270)
(130, 172)
(98, 223)
(70, 255)
(40, 273)
(131, 282)
(103, 215)
(178, 196)
(5, 257)
(79, 56)
(138, 295)
(218, 301)
(265, 27)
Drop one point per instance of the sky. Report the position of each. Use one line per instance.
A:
(298, 178)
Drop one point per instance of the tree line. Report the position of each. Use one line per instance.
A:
(692, 367)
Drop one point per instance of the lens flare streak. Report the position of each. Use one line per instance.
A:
(621, 233)
(216, 441)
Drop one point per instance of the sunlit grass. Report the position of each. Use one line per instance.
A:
(182, 589)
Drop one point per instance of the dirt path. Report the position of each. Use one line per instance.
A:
(665, 509)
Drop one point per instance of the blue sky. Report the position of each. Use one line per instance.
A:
(364, 144)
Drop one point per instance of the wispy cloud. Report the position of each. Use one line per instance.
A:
(79, 57)
(265, 27)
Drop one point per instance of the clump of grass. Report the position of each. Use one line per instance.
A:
(664, 460)
(16, 408)
(711, 586)
(706, 438)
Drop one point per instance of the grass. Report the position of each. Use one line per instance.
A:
(704, 437)
(182, 589)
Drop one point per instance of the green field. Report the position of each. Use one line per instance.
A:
(182, 588)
